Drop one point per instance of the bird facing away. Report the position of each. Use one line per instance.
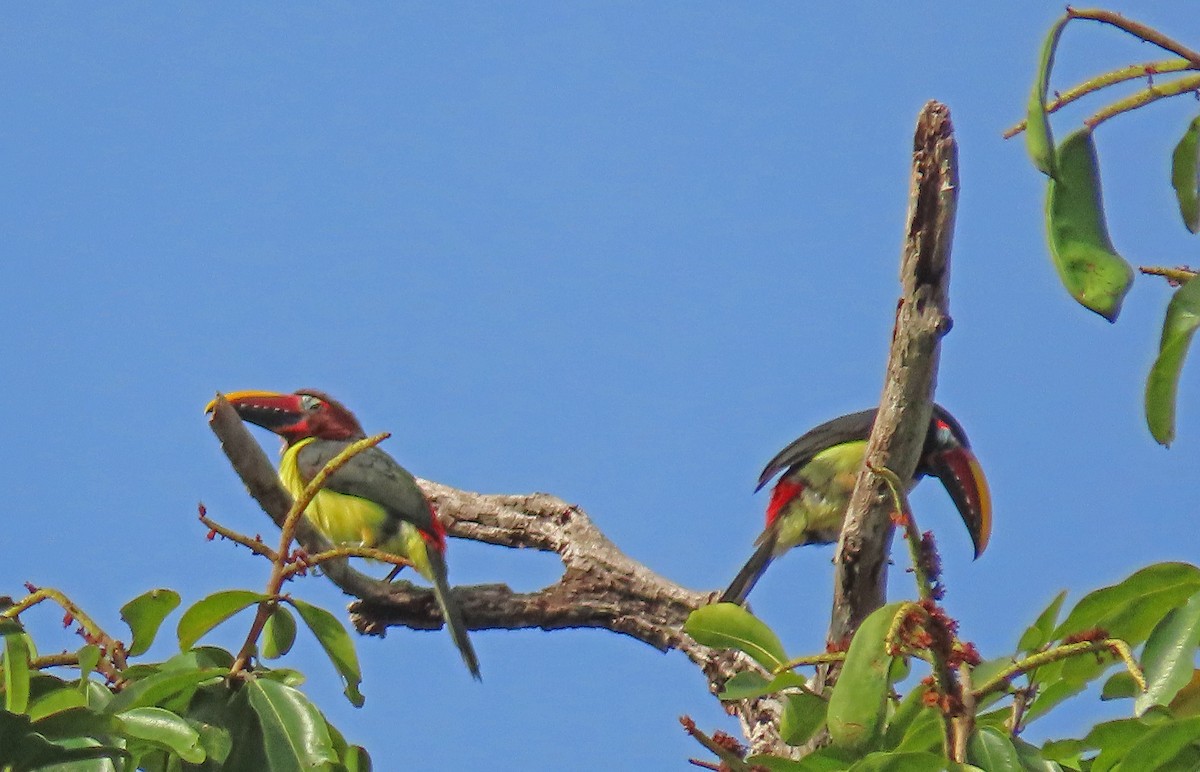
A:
(371, 501)
(809, 502)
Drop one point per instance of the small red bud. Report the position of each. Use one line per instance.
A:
(68, 618)
(31, 587)
(212, 534)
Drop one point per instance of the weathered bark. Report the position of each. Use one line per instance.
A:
(922, 318)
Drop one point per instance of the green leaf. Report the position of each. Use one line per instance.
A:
(924, 733)
(857, 704)
(1031, 757)
(1038, 139)
(729, 626)
(803, 714)
(279, 633)
(74, 722)
(1090, 268)
(337, 644)
(1162, 385)
(903, 716)
(283, 675)
(1185, 175)
(1120, 686)
(1169, 655)
(144, 614)
(749, 684)
(16, 672)
(1038, 634)
(89, 657)
(56, 700)
(161, 687)
(212, 611)
(294, 733)
(1156, 748)
(357, 759)
(215, 740)
(165, 729)
(1130, 609)
(993, 750)
(1114, 739)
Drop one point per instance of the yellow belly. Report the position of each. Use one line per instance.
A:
(350, 520)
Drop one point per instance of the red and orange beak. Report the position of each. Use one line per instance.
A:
(283, 414)
(963, 478)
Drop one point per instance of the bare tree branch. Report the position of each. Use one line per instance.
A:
(601, 587)
(922, 318)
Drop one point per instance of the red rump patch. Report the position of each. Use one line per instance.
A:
(437, 537)
(781, 496)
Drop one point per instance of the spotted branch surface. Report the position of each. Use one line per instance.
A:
(600, 588)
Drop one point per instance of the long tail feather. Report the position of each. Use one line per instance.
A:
(744, 582)
(452, 613)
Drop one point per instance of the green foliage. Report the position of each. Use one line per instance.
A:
(1179, 327)
(144, 614)
(1185, 175)
(874, 728)
(858, 703)
(189, 712)
(337, 645)
(729, 626)
(1090, 268)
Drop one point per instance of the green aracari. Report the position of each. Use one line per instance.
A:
(819, 470)
(371, 501)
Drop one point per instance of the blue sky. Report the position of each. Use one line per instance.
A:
(619, 252)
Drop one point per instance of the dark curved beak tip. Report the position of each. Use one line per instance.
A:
(964, 480)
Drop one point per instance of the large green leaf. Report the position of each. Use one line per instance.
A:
(1187, 701)
(1162, 385)
(1157, 748)
(1038, 139)
(144, 614)
(1130, 609)
(279, 633)
(1090, 268)
(993, 750)
(1169, 655)
(729, 626)
(1038, 634)
(160, 687)
(294, 733)
(903, 716)
(55, 700)
(803, 714)
(1185, 175)
(16, 672)
(165, 729)
(74, 722)
(212, 611)
(337, 644)
(857, 704)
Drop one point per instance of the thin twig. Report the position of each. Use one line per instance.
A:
(1138, 30)
(1111, 78)
(1144, 97)
(1172, 275)
(254, 545)
(1119, 648)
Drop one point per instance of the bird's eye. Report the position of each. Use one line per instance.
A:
(945, 436)
(309, 402)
